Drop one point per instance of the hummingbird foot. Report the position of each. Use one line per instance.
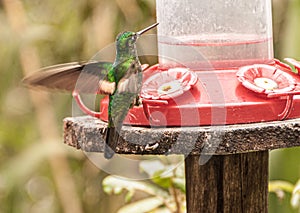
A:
(137, 101)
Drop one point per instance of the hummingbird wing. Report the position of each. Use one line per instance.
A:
(83, 77)
(127, 90)
(132, 81)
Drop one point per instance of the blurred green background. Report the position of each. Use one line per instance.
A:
(38, 173)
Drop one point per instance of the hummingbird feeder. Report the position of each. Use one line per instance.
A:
(216, 66)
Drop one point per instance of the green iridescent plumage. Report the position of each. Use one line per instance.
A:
(127, 75)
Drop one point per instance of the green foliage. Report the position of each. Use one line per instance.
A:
(165, 188)
(295, 201)
(282, 187)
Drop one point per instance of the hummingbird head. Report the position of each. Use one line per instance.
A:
(128, 39)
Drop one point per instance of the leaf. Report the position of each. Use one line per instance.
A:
(142, 206)
(166, 169)
(112, 189)
(111, 183)
(162, 181)
(281, 185)
(129, 195)
(151, 166)
(295, 200)
(179, 183)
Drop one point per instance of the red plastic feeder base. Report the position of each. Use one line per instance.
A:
(179, 97)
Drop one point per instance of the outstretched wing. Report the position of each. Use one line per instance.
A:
(84, 77)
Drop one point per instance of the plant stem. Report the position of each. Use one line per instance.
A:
(175, 194)
(176, 199)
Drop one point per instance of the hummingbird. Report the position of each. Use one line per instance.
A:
(121, 80)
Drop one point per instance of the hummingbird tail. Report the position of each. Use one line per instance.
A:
(112, 137)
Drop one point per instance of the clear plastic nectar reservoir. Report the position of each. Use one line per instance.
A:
(218, 34)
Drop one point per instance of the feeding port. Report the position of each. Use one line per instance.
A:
(216, 66)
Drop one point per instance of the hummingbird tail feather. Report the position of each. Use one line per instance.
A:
(112, 137)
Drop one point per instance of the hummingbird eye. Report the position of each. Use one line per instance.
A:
(134, 37)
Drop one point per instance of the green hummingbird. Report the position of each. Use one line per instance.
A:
(127, 75)
(122, 81)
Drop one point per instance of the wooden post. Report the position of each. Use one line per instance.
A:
(227, 183)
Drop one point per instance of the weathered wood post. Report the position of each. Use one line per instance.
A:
(228, 183)
(235, 179)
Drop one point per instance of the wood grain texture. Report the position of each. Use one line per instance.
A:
(88, 134)
(230, 183)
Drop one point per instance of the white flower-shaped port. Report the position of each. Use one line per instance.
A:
(265, 79)
(271, 81)
(168, 84)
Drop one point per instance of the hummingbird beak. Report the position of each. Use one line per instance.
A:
(139, 33)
